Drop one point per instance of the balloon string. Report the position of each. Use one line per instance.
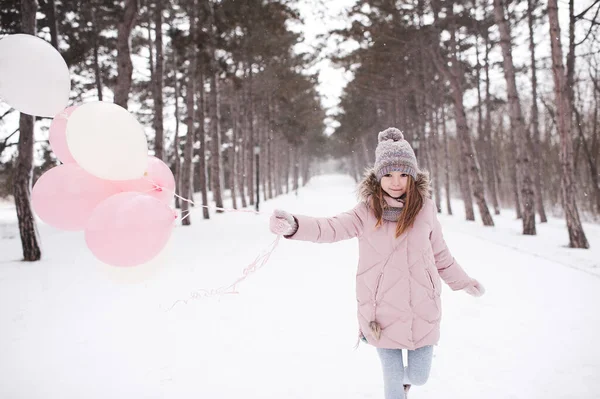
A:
(256, 265)
(214, 207)
(252, 268)
(158, 187)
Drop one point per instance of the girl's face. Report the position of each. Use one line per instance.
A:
(394, 183)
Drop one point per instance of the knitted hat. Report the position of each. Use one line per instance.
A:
(393, 153)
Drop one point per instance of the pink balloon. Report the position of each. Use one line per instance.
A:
(58, 135)
(129, 229)
(66, 195)
(158, 181)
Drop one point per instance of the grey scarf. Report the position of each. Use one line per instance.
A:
(391, 214)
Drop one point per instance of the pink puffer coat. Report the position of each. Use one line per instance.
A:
(398, 282)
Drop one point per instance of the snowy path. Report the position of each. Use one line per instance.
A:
(71, 328)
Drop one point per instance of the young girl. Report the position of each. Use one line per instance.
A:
(402, 255)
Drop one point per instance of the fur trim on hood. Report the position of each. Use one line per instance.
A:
(368, 186)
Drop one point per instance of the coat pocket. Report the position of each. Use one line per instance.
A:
(432, 282)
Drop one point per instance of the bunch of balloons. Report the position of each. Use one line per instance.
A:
(107, 185)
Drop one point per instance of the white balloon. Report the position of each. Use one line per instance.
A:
(34, 78)
(107, 141)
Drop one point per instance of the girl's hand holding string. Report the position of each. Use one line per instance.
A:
(283, 223)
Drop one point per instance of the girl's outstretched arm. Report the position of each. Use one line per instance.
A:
(344, 226)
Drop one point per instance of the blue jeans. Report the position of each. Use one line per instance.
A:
(417, 370)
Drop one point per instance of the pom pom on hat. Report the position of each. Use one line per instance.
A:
(391, 133)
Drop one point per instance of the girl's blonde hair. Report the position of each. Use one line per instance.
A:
(412, 206)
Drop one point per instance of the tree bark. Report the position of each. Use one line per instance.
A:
(50, 10)
(233, 164)
(215, 151)
(24, 163)
(176, 156)
(595, 141)
(188, 149)
(270, 144)
(201, 136)
(577, 238)
(95, 34)
(524, 154)
(446, 161)
(535, 122)
(512, 168)
(157, 83)
(243, 150)
(124, 64)
(435, 130)
(296, 168)
(216, 164)
(264, 156)
(487, 134)
(250, 143)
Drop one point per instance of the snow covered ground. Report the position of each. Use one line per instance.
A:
(73, 328)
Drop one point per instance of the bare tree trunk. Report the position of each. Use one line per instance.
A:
(479, 97)
(216, 169)
(524, 153)
(595, 141)
(177, 155)
(435, 130)
(288, 166)
(512, 168)
(465, 185)
(50, 11)
(95, 34)
(262, 133)
(215, 123)
(188, 150)
(243, 151)
(571, 59)
(124, 65)
(157, 83)
(150, 52)
(202, 168)
(250, 142)
(277, 166)
(487, 134)
(446, 161)
(306, 161)
(269, 168)
(233, 152)
(535, 122)
(24, 163)
(296, 166)
(577, 238)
